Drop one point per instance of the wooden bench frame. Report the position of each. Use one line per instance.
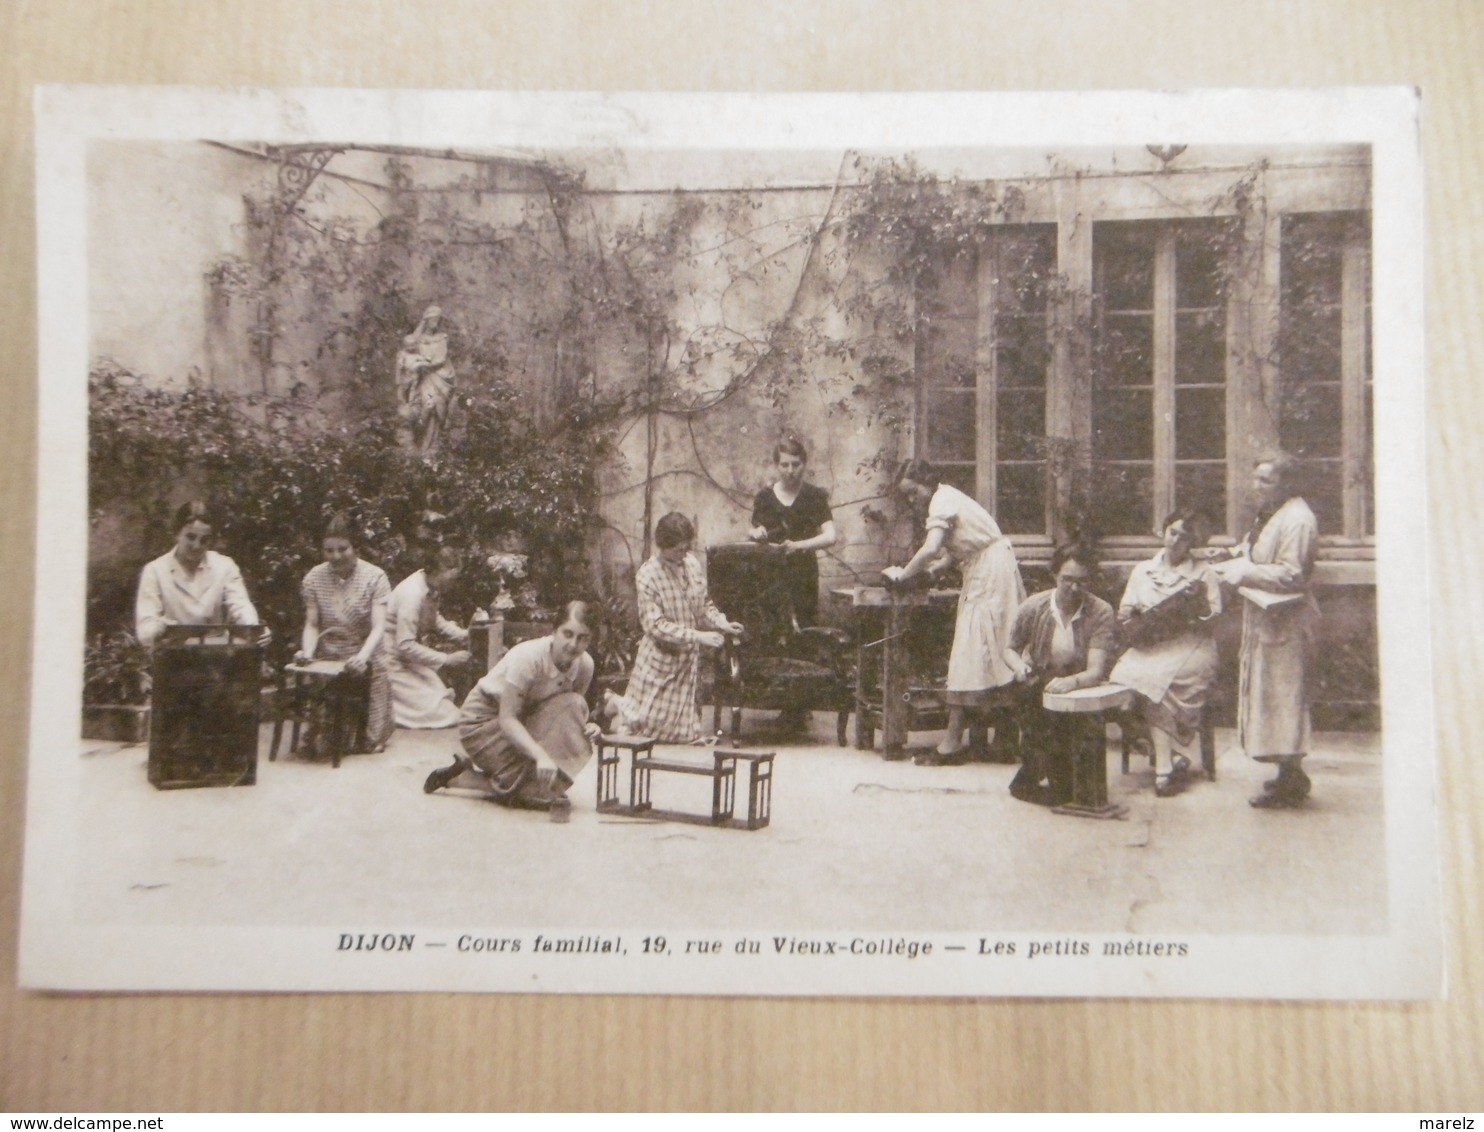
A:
(722, 771)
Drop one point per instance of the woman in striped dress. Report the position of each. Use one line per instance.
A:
(679, 620)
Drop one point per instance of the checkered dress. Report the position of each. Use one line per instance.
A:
(674, 609)
(345, 623)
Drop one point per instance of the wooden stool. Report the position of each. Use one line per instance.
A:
(301, 687)
(1089, 770)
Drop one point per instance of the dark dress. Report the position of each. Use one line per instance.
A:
(1051, 741)
(802, 520)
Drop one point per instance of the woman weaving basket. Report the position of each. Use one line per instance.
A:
(1165, 617)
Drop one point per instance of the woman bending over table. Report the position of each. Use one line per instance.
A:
(960, 531)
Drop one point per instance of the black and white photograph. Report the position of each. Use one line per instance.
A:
(952, 545)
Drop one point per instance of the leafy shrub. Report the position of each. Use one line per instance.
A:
(115, 670)
(275, 483)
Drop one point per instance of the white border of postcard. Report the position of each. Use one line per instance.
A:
(58, 951)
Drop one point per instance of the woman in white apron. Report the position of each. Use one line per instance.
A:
(960, 531)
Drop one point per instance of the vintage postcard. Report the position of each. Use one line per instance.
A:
(954, 545)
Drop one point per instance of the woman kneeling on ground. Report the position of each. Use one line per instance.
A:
(679, 620)
(420, 698)
(524, 727)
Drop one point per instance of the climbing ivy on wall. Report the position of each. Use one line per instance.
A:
(536, 287)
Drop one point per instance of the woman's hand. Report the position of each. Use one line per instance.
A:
(710, 639)
(758, 534)
(1062, 684)
(356, 664)
(894, 573)
(733, 628)
(1024, 673)
(456, 659)
(592, 731)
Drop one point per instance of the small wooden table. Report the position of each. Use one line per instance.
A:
(1089, 768)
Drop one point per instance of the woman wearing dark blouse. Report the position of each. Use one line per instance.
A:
(797, 516)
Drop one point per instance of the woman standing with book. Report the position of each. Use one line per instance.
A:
(1272, 568)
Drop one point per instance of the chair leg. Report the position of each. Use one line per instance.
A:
(1208, 746)
(1125, 741)
(736, 722)
(842, 723)
(280, 704)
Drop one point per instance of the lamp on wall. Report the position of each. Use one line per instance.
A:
(1166, 153)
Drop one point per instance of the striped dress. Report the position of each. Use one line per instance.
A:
(674, 609)
(344, 609)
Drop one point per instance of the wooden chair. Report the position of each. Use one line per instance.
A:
(777, 665)
(322, 691)
(1133, 730)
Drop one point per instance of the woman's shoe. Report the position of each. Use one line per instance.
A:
(446, 774)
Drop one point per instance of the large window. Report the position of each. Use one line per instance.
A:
(1324, 401)
(983, 360)
(1159, 372)
(1098, 374)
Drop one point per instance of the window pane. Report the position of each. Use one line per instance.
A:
(946, 352)
(1128, 350)
(1026, 264)
(1022, 498)
(1311, 345)
(1200, 348)
(1200, 258)
(1200, 424)
(1122, 424)
(1311, 260)
(950, 425)
(1203, 486)
(1021, 349)
(960, 476)
(1321, 481)
(951, 288)
(1311, 358)
(1122, 499)
(1021, 425)
(1123, 260)
(1309, 420)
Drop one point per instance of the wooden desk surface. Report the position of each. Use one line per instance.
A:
(879, 597)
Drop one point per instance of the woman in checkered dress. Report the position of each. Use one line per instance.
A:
(679, 620)
(345, 601)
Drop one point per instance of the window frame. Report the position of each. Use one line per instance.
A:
(1336, 181)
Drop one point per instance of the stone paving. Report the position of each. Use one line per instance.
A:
(854, 842)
